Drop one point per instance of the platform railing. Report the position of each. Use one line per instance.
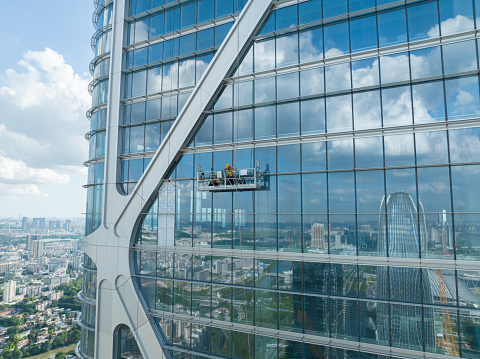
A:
(229, 180)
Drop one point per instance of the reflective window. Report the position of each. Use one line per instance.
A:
(422, 21)
(392, 27)
(363, 33)
(311, 44)
(339, 113)
(365, 73)
(459, 57)
(336, 39)
(461, 10)
(397, 106)
(462, 98)
(394, 68)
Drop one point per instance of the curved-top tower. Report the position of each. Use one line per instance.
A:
(322, 109)
(403, 232)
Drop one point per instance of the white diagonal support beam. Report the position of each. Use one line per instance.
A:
(234, 45)
(109, 246)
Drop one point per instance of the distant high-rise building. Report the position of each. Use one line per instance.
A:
(318, 235)
(37, 248)
(25, 226)
(30, 239)
(402, 234)
(38, 223)
(67, 225)
(9, 291)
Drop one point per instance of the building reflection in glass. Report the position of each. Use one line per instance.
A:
(402, 231)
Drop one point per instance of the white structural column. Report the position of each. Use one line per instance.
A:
(109, 246)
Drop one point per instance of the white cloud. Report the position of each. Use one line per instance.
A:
(42, 128)
(452, 25)
(43, 112)
(17, 171)
(9, 190)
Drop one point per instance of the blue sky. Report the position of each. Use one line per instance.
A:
(43, 98)
(64, 26)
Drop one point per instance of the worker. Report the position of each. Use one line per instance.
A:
(230, 174)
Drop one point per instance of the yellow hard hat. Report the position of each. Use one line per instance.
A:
(228, 166)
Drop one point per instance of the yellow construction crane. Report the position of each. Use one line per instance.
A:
(448, 341)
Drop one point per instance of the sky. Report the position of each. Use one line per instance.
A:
(44, 76)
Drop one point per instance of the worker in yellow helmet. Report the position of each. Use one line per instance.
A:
(230, 173)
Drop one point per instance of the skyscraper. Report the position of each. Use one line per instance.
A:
(9, 291)
(37, 248)
(403, 232)
(351, 121)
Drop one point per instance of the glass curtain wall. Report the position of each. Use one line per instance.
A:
(98, 88)
(366, 226)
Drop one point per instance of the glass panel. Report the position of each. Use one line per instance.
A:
(363, 33)
(311, 44)
(266, 309)
(152, 136)
(392, 27)
(313, 116)
(428, 102)
(127, 345)
(368, 152)
(188, 14)
(399, 150)
(309, 11)
(464, 145)
(264, 55)
(426, 62)
(459, 57)
(311, 82)
(243, 125)
(431, 147)
(288, 119)
(397, 106)
(313, 156)
(341, 192)
(374, 315)
(367, 110)
(467, 236)
(314, 191)
(287, 86)
(465, 188)
(264, 90)
(265, 122)
(287, 50)
(334, 8)
(288, 158)
(407, 329)
(365, 73)
(222, 128)
(422, 21)
(340, 154)
(394, 68)
(265, 347)
(337, 77)
(316, 316)
(336, 39)
(451, 11)
(205, 10)
(370, 191)
(339, 113)
(243, 94)
(141, 30)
